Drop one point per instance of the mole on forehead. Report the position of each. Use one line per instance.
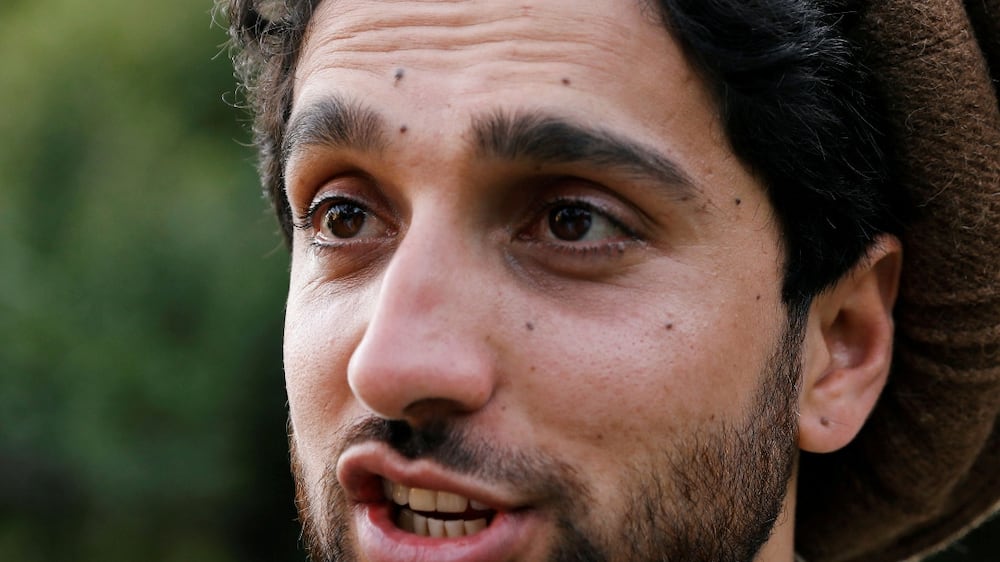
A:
(584, 44)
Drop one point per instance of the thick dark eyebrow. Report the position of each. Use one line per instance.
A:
(334, 123)
(544, 139)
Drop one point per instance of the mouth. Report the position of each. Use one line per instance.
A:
(436, 513)
(416, 511)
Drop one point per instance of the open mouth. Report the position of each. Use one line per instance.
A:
(434, 513)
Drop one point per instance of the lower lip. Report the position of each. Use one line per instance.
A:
(380, 540)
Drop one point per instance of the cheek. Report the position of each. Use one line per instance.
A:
(641, 376)
(319, 334)
(598, 380)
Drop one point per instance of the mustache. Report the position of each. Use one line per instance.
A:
(437, 440)
(456, 449)
(444, 443)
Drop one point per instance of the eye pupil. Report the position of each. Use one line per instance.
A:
(344, 220)
(570, 223)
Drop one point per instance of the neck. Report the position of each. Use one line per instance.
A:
(781, 546)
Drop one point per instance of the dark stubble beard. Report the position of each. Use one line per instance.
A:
(714, 497)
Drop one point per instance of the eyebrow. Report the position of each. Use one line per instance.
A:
(334, 123)
(545, 139)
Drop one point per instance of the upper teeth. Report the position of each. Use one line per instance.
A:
(420, 499)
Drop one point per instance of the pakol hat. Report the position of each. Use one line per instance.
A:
(926, 466)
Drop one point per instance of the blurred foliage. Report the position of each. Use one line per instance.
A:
(142, 403)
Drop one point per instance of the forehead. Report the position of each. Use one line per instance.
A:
(534, 30)
(435, 68)
(467, 53)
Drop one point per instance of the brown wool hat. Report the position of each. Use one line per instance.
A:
(926, 466)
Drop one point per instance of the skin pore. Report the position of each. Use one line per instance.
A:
(530, 272)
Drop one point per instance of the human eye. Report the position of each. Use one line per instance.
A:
(579, 227)
(335, 220)
(578, 222)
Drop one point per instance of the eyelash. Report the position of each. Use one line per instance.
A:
(606, 249)
(307, 220)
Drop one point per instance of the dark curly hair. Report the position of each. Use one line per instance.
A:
(795, 99)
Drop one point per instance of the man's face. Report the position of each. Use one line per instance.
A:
(524, 240)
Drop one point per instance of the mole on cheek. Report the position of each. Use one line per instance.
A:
(403, 129)
(670, 326)
(399, 74)
(529, 326)
(565, 81)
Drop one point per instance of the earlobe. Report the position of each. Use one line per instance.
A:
(848, 349)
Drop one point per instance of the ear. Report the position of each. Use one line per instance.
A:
(848, 349)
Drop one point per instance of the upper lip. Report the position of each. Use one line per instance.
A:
(360, 468)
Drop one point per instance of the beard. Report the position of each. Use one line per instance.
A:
(713, 497)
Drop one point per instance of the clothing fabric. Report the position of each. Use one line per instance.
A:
(926, 465)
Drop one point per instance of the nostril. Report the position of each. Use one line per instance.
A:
(430, 412)
(417, 441)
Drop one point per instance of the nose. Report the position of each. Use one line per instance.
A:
(426, 350)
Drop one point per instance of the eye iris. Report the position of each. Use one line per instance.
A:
(570, 223)
(344, 220)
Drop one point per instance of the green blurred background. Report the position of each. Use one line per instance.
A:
(142, 404)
